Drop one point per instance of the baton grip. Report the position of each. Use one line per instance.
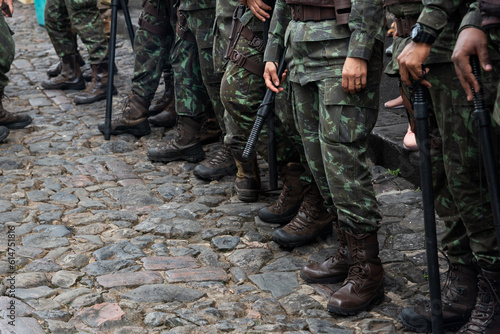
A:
(252, 138)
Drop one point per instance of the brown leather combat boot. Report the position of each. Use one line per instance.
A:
(311, 221)
(210, 131)
(133, 119)
(290, 199)
(56, 68)
(10, 120)
(70, 76)
(222, 164)
(160, 104)
(458, 299)
(96, 91)
(332, 270)
(247, 183)
(485, 317)
(363, 286)
(186, 145)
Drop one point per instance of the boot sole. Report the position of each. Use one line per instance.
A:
(84, 100)
(213, 177)
(327, 280)
(18, 125)
(376, 300)
(189, 158)
(427, 327)
(65, 86)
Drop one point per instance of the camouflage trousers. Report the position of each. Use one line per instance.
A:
(460, 187)
(197, 86)
(62, 16)
(334, 127)
(241, 93)
(152, 45)
(7, 51)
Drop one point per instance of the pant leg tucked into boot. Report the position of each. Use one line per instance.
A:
(458, 298)
(363, 286)
(133, 119)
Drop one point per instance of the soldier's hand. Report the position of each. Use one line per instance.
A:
(271, 77)
(354, 75)
(7, 7)
(258, 8)
(471, 41)
(410, 62)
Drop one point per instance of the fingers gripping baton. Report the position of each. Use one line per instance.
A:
(264, 111)
(420, 107)
(483, 120)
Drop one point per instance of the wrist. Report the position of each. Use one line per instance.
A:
(421, 33)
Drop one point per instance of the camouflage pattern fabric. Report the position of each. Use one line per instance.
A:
(457, 171)
(84, 17)
(334, 127)
(152, 51)
(188, 5)
(7, 50)
(195, 80)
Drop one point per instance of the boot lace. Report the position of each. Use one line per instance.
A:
(283, 195)
(487, 306)
(223, 156)
(308, 212)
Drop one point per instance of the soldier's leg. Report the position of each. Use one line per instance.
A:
(63, 38)
(152, 45)
(191, 104)
(7, 50)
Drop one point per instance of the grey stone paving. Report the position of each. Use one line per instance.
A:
(108, 242)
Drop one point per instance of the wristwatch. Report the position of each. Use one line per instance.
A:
(418, 34)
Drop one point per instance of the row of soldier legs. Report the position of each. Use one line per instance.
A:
(305, 206)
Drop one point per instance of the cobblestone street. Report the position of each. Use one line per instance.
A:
(106, 241)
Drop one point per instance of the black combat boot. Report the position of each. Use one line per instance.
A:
(290, 199)
(485, 317)
(458, 298)
(185, 146)
(133, 119)
(332, 270)
(4, 133)
(311, 221)
(56, 68)
(247, 183)
(10, 120)
(363, 286)
(96, 91)
(222, 164)
(70, 76)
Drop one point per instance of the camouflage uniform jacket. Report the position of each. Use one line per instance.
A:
(188, 5)
(365, 26)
